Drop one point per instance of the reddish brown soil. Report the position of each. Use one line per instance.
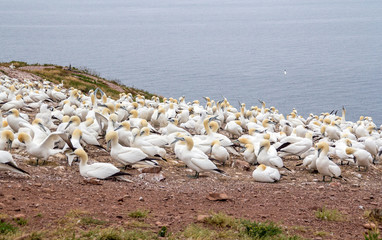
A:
(55, 188)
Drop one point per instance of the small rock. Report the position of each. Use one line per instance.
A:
(202, 218)
(59, 168)
(358, 176)
(243, 165)
(369, 226)
(315, 180)
(159, 177)
(123, 198)
(60, 157)
(141, 199)
(37, 184)
(160, 224)
(320, 187)
(155, 169)
(334, 184)
(47, 190)
(19, 216)
(218, 197)
(355, 185)
(155, 177)
(93, 181)
(361, 207)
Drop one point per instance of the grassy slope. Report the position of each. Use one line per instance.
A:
(82, 79)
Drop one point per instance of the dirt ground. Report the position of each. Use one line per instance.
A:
(175, 200)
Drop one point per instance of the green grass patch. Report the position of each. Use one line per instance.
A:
(7, 228)
(372, 235)
(261, 230)
(222, 226)
(140, 213)
(329, 215)
(194, 231)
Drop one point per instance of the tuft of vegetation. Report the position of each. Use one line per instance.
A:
(21, 221)
(138, 224)
(6, 228)
(36, 236)
(374, 215)
(91, 221)
(261, 230)
(222, 220)
(372, 235)
(329, 214)
(139, 213)
(194, 231)
(162, 232)
(232, 228)
(119, 234)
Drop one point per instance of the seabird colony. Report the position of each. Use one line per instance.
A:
(133, 129)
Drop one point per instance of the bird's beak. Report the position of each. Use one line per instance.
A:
(243, 150)
(7, 113)
(70, 122)
(141, 133)
(108, 145)
(319, 151)
(213, 118)
(42, 127)
(177, 139)
(9, 144)
(119, 127)
(261, 149)
(158, 115)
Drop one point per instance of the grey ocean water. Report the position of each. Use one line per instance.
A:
(331, 49)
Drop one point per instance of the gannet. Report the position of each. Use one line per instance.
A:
(266, 174)
(151, 150)
(8, 164)
(267, 155)
(14, 119)
(219, 152)
(249, 154)
(16, 103)
(124, 133)
(295, 145)
(234, 128)
(325, 166)
(154, 139)
(361, 157)
(195, 158)
(46, 148)
(6, 139)
(126, 155)
(97, 170)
